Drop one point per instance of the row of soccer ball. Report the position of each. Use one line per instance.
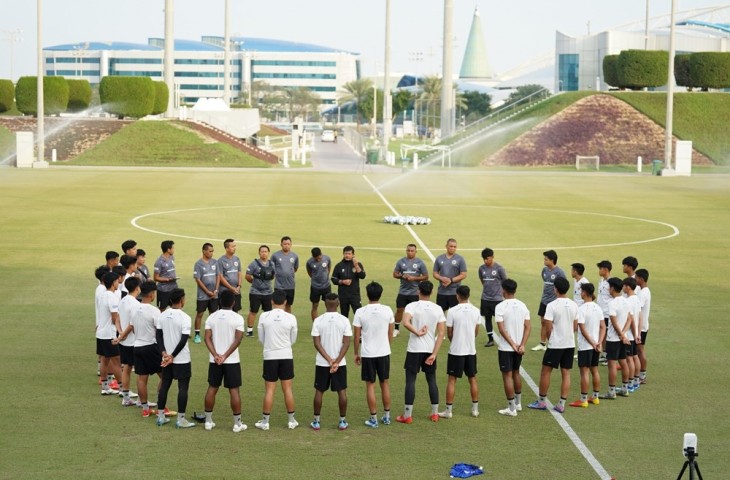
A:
(407, 220)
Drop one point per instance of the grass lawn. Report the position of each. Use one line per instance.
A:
(57, 224)
(7, 143)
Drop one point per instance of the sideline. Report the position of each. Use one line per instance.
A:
(582, 448)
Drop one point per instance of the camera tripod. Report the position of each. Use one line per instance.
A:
(692, 464)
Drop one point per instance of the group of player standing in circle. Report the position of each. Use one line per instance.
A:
(135, 336)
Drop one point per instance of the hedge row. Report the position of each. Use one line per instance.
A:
(7, 95)
(55, 95)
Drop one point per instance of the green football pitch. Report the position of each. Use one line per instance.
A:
(56, 225)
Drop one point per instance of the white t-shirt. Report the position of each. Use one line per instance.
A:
(590, 315)
(331, 328)
(603, 297)
(175, 323)
(127, 310)
(98, 294)
(512, 313)
(108, 304)
(562, 312)
(145, 323)
(618, 307)
(635, 311)
(645, 300)
(277, 333)
(426, 313)
(576, 290)
(374, 319)
(463, 318)
(223, 325)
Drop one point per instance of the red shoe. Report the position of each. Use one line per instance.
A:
(145, 413)
(114, 385)
(402, 419)
(435, 417)
(579, 403)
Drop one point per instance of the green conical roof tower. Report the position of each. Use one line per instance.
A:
(475, 65)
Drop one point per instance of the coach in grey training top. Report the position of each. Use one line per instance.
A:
(286, 264)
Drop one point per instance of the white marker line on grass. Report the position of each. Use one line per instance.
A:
(592, 461)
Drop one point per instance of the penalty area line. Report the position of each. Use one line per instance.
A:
(582, 448)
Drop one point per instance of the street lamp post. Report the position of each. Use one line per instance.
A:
(387, 102)
(39, 85)
(12, 37)
(226, 56)
(375, 111)
(670, 96)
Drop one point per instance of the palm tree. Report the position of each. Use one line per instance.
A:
(356, 91)
(431, 94)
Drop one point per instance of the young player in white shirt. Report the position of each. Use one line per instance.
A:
(642, 279)
(591, 333)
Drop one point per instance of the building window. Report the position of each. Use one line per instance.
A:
(200, 87)
(151, 61)
(321, 76)
(71, 60)
(199, 74)
(292, 63)
(122, 73)
(198, 61)
(568, 64)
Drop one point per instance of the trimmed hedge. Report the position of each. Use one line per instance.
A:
(55, 95)
(7, 95)
(127, 96)
(610, 72)
(710, 69)
(682, 74)
(162, 98)
(79, 95)
(642, 68)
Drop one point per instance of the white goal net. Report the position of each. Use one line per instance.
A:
(586, 162)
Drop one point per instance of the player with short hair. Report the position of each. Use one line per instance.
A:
(112, 259)
(491, 274)
(603, 298)
(129, 263)
(591, 334)
(410, 270)
(129, 247)
(449, 269)
(347, 275)
(128, 307)
(632, 355)
(277, 332)
(165, 275)
(259, 274)
(142, 271)
(230, 272)
(286, 264)
(205, 274)
(223, 334)
(425, 320)
(462, 328)
(173, 331)
(630, 264)
(561, 317)
(616, 339)
(106, 331)
(319, 267)
(373, 328)
(331, 334)
(642, 279)
(550, 272)
(147, 357)
(513, 324)
(576, 271)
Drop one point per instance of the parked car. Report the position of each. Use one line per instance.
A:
(328, 136)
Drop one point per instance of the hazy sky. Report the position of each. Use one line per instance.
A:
(515, 31)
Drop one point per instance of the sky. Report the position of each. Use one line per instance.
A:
(515, 31)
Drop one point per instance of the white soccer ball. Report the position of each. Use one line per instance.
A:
(401, 221)
(428, 220)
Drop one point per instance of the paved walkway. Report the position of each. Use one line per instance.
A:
(339, 157)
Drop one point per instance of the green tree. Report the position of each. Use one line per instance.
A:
(525, 91)
(642, 68)
(79, 95)
(55, 95)
(401, 101)
(610, 72)
(7, 95)
(357, 91)
(430, 98)
(710, 69)
(127, 96)
(162, 97)
(366, 106)
(302, 102)
(479, 104)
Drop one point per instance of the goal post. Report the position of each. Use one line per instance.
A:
(587, 161)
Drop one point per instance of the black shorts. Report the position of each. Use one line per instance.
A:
(126, 355)
(228, 373)
(541, 309)
(317, 294)
(282, 369)
(177, 371)
(210, 304)
(509, 361)
(446, 301)
(289, 295)
(373, 367)
(558, 357)
(259, 301)
(416, 361)
(323, 379)
(163, 299)
(147, 360)
(631, 349)
(487, 308)
(615, 350)
(458, 365)
(402, 300)
(105, 348)
(643, 337)
(587, 358)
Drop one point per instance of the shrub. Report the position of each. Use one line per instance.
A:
(681, 71)
(710, 69)
(642, 68)
(79, 95)
(55, 95)
(7, 95)
(610, 74)
(127, 96)
(162, 98)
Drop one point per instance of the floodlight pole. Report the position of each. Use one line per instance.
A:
(670, 96)
(227, 55)
(387, 101)
(39, 85)
(375, 111)
(646, 27)
(447, 82)
(169, 62)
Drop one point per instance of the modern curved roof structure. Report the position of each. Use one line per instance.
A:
(723, 27)
(101, 46)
